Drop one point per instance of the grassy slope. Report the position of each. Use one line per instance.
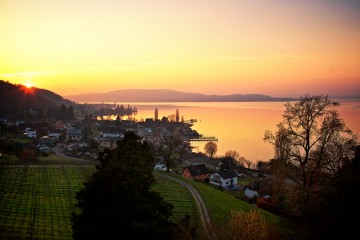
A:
(221, 204)
(179, 196)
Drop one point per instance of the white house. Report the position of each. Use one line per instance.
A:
(54, 135)
(225, 179)
(74, 133)
(112, 135)
(44, 148)
(160, 166)
(250, 193)
(30, 133)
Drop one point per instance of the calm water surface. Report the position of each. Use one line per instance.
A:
(238, 126)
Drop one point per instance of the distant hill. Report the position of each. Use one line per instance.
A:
(15, 98)
(167, 95)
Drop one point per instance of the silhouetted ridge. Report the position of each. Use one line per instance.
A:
(167, 95)
(16, 99)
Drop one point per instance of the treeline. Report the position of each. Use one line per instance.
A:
(118, 110)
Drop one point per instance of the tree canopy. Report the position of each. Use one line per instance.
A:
(313, 148)
(117, 202)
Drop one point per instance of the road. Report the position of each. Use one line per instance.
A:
(205, 219)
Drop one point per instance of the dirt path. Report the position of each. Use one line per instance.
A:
(205, 219)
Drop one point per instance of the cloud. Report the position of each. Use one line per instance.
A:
(28, 74)
(294, 56)
(154, 62)
(233, 58)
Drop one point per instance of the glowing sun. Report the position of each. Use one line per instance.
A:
(28, 85)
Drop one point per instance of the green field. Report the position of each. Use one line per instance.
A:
(36, 201)
(179, 196)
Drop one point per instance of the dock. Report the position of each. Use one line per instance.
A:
(204, 139)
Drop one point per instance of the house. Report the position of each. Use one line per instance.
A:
(225, 179)
(251, 190)
(196, 172)
(30, 133)
(227, 164)
(44, 148)
(112, 132)
(105, 144)
(160, 166)
(112, 135)
(46, 140)
(259, 188)
(74, 133)
(54, 135)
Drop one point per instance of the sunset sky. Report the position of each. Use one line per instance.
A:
(274, 47)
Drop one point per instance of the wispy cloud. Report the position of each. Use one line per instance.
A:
(27, 74)
(233, 58)
(293, 56)
(159, 62)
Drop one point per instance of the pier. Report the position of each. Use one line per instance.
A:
(204, 139)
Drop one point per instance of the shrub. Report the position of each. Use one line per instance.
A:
(243, 225)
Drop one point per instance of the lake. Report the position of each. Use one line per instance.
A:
(238, 126)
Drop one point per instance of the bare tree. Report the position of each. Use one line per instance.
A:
(248, 163)
(303, 141)
(263, 166)
(171, 118)
(242, 160)
(338, 152)
(210, 148)
(282, 147)
(236, 156)
(232, 153)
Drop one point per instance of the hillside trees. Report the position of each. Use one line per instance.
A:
(335, 216)
(312, 142)
(172, 149)
(66, 113)
(117, 202)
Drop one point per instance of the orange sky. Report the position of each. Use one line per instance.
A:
(273, 47)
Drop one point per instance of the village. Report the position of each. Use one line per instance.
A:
(85, 137)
